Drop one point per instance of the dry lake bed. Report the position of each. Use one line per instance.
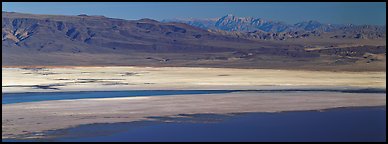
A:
(38, 101)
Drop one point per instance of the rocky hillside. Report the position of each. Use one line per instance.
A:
(96, 34)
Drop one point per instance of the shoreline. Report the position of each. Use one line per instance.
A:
(261, 89)
(35, 117)
(58, 133)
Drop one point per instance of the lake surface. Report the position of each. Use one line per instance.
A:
(341, 124)
(10, 98)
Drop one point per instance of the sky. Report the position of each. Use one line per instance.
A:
(290, 12)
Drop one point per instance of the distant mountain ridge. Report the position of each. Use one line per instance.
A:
(250, 27)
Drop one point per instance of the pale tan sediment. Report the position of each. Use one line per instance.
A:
(25, 118)
(156, 78)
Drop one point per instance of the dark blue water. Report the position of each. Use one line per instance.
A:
(343, 124)
(10, 98)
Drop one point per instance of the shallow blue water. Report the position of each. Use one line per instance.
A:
(10, 98)
(344, 124)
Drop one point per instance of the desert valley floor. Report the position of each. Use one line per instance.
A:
(239, 91)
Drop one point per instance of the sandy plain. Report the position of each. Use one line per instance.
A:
(51, 79)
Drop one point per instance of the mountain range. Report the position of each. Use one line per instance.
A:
(59, 40)
(259, 28)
